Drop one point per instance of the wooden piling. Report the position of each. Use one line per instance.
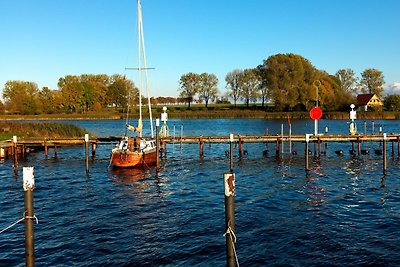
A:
(28, 186)
(87, 152)
(157, 145)
(229, 185)
(94, 148)
(201, 144)
(15, 150)
(240, 146)
(306, 152)
(231, 152)
(358, 145)
(384, 154)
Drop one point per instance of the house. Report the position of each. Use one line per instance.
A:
(367, 102)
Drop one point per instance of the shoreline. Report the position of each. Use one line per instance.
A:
(208, 114)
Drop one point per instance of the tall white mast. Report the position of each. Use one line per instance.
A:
(142, 51)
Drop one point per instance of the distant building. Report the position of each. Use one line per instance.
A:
(367, 102)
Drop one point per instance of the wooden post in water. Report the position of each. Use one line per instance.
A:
(201, 144)
(157, 145)
(15, 147)
(231, 152)
(229, 185)
(358, 145)
(326, 142)
(319, 146)
(240, 146)
(398, 146)
(29, 185)
(55, 151)
(94, 148)
(87, 152)
(46, 149)
(384, 154)
(306, 151)
(392, 148)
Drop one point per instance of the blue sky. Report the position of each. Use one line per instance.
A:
(44, 40)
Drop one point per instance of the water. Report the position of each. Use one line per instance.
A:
(344, 213)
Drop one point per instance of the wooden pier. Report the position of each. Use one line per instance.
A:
(28, 145)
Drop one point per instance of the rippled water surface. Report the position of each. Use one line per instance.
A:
(343, 213)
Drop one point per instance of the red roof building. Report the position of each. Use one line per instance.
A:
(369, 102)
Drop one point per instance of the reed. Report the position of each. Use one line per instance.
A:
(40, 129)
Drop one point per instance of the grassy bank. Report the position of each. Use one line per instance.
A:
(37, 129)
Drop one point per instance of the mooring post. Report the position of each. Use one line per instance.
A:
(157, 145)
(326, 141)
(15, 155)
(46, 148)
(384, 154)
(55, 151)
(278, 143)
(87, 152)
(229, 184)
(398, 146)
(94, 148)
(306, 151)
(28, 186)
(392, 148)
(319, 146)
(201, 144)
(359, 145)
(231, 152)
(240, 145)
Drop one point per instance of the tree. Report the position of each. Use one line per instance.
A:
(189, 86)
(208, 87)
(264, 92)
(348, 81)
(392, 102)
(119, 90)
(249, 84)
(289, 79)
(233, 84)
(21, 96)
(372, 81)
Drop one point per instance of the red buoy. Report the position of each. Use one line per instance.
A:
(316, 113)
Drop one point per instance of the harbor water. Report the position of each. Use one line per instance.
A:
(344, 212)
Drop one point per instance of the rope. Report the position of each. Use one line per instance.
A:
(20, 220)
(233, 240)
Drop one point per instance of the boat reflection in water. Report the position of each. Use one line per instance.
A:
(129, 175)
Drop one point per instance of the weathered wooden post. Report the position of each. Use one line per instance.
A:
(306, 151)
(46, 149)
(398, 146)
(15, 147)
(231, 152)
(326, 141)
(384, 154)
(240, 146)
(201, 144)
(229, 184)
(87, 152)
(28, 186)
(157, 145)
(358, 145)
(94, 148)
(181, 138)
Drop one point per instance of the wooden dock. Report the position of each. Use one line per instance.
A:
(43, 144)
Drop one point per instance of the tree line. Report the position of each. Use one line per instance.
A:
(287, 81)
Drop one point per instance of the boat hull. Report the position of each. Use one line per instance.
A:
(129, 159)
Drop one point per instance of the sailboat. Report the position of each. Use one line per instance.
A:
(137, 152)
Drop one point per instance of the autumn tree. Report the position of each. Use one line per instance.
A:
(372, 81)
(208, 89)
(348, 81)
(21, 96)
(189, 86)
(233, 84)
(118, 91)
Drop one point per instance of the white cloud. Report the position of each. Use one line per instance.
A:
(393, 89)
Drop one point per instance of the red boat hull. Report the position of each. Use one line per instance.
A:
(128, 159)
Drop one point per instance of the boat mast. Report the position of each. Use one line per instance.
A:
(142, 51)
